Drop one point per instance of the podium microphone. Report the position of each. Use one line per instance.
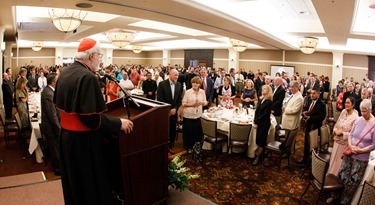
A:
(109, 77)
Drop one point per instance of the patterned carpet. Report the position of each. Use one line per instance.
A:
(233, 180)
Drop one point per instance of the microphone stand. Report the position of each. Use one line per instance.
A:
(126, 97)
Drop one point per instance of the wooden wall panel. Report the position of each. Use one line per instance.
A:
(177, 54)
(221, 53)
(357, 74)
(355, 60)
(221, 63)
(28, 52)
(271, 55)
(316, 57)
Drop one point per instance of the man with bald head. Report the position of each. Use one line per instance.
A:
(170, 91)
(278, 98)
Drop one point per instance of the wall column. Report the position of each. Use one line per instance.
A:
(337, 64)
(2, 30)
(59, 56)
(8, 55)
(233, 59)
(108, 57)
(166, 57)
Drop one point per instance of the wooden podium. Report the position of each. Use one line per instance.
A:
(144, 152)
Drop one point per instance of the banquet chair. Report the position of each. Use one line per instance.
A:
(210, 133)
(9, 126)
(314, 145)
(21, 133)
(367, 194)
(325, 138)
(321, 181)
(238, 135)
(283, 148)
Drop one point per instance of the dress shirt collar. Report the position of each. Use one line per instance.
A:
(52, 88)
(171, 82)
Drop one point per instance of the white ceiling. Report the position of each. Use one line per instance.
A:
(341, 25)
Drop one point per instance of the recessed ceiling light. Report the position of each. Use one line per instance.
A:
(84, 5)
(304, 13)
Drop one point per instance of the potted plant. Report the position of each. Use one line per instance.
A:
(179, 175)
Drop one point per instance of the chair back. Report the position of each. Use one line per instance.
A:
(208, 127)
(18, 120)
(319, 168)
(2, 116)
(239, 132)
(336, 115)
(313, 136)
(290, 138)
(367, 195)
(325, 137)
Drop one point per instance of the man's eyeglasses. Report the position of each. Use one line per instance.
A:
(100, 54)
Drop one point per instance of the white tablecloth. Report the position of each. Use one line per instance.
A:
(369, 176)
(223, 119)
(34, 107)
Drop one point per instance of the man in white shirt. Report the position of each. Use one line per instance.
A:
(219, 82)
(239, 79)
(126, 84)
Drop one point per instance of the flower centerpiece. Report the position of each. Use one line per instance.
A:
(179, 175)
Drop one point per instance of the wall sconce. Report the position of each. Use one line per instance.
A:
(58, 57)
(337, 66)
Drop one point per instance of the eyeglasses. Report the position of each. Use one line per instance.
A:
(100, 54)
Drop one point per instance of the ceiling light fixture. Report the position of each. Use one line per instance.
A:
(137, 49)
(238, 45)
(37, 46)
(308, 44)
(67, 20)
(120, 38)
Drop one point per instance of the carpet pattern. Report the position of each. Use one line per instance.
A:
(233, 180)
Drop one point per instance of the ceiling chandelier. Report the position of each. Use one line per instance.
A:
(308, 44)
(37, 46)
(120, 38)
(137, 49)
(238, 45)
(67, 20)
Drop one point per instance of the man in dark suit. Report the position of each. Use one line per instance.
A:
(259, 82)
(278, 98)
(314, 115)
(149, 87)
(313, 83)
(170, 91)
(7, 96)
(50, 126)
(32, 81)
(188, 76)
(207, 86)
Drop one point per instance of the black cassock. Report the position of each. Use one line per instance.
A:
(90, 168)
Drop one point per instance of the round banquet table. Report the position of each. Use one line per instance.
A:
(224, 116)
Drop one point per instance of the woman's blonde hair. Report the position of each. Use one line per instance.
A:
(251, 83)
(269, 95)
(19, 83)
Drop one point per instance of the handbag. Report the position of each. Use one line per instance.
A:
(347, 151)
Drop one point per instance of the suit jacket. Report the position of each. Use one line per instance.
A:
(292, 113)
(209, 90)
(262, 113)
(310, 85)
(7, 93)
(164, 94)
(258, 86)
(317, 115)
(33, 82)
(277, 102)
(50, 115)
